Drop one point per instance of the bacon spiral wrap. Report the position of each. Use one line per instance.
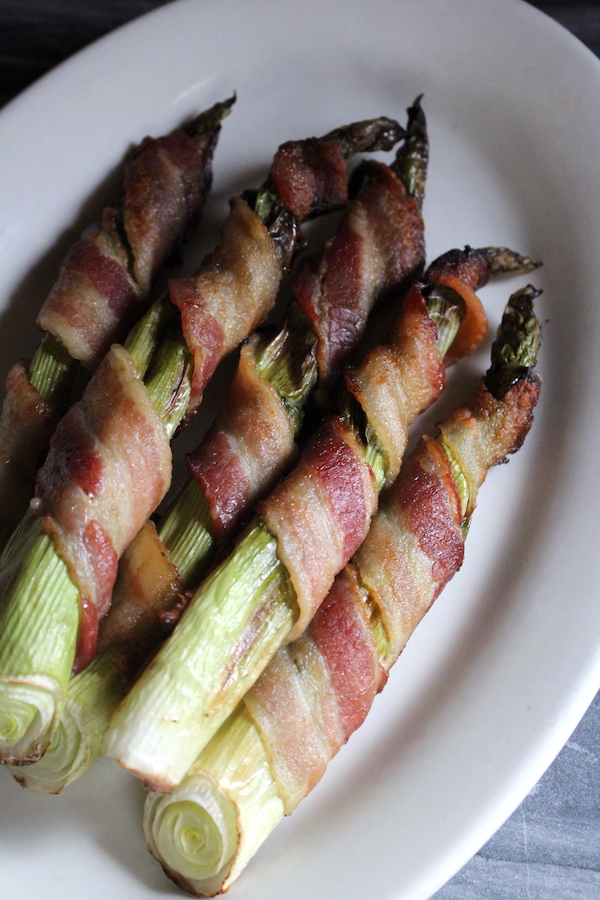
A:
(320, 514)
(310, 176)
(106, 277)
(378, 250)
(234, 290)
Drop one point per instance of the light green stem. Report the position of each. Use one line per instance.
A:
(39, 621)
(76, 746)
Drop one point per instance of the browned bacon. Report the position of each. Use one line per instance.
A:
(106, 277)
(378, 249)
(415, 543)
(310, 176)
(320, 514)
(248, 448)
(235, 289)
(166, 183)
(400, 378)
(109, 461)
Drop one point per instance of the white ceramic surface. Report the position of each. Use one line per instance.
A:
(501, 670)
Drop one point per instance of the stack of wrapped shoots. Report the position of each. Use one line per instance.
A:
(226, 651)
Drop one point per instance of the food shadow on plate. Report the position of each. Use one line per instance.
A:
(106, 806)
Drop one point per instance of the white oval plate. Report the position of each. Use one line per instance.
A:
(501, 670)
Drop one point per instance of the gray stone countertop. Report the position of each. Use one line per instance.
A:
(550, 847)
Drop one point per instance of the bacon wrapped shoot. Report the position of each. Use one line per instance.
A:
(275, 746)
(109, 461)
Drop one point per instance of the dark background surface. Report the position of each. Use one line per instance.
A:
(550, 848)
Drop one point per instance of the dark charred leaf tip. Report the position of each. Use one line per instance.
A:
(416, 115)
(412, 157)
(504, 261)
(210, 119)
(514, 352)
(367, 136)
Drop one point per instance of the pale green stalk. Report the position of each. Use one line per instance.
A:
(210, 826)
(45, 603)
(246, 609)
(57, 377)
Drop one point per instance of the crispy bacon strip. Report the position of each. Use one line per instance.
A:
(298, 753)
(415, 545)
(320, 514)
(310, 176)
(235, 289)
(106, 277)
(317, 691)
(109, 460)
(248, 448)
(399, 379)
(378, 250)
